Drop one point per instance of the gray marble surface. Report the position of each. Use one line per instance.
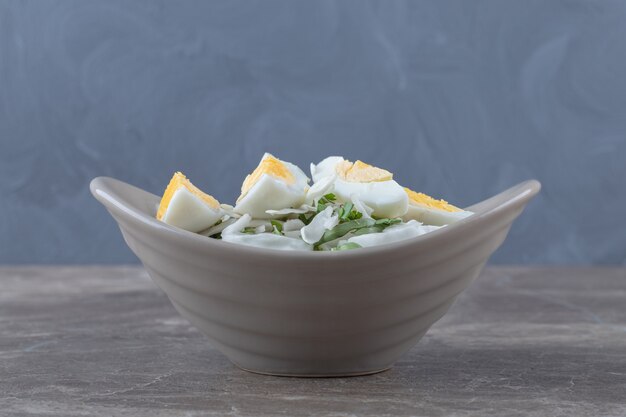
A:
(78, 341)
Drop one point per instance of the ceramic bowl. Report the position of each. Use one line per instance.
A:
(312, 313)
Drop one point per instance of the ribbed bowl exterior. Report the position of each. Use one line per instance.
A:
(312, 314)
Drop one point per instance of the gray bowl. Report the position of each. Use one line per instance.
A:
(312, 313)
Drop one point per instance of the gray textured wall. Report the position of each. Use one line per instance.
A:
(460, 99)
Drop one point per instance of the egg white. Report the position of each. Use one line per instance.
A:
(270, 193)
(383, 198)
(325, 168)
(188, 211)
(433, 216)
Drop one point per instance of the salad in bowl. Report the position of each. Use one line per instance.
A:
(349, 205)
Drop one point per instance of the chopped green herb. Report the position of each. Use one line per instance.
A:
(367, 230)
(278, 227)
(344, 211)
(347, 212)
(249, 230)
(324, 201)
(388, 222)
(355, 226)
(353, 214)
(305, 219)
(385, 219)
(343, 228)
(347, 246)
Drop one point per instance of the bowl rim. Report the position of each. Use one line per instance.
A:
(108, 191)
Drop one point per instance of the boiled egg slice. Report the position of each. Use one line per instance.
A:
(183, 205)
(372, 186)
(273, 185)
(325, 168)
(428, 210)
(394, 233)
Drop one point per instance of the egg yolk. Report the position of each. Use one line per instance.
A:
(361, 172)
(426, 200)
(269, 165)
(178, 181)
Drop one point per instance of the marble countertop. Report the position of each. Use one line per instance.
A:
(78, 341)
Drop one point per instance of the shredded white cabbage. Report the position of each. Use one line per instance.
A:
(302, 209)
(314, 231)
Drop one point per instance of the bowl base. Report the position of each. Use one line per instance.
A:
(321, 375)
